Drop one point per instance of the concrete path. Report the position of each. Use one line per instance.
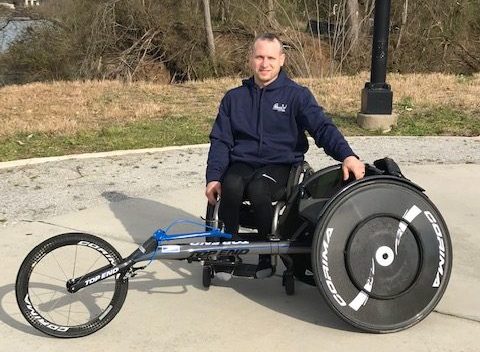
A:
(123, 198)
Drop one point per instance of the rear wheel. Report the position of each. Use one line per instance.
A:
(41, 286)
(382, 255)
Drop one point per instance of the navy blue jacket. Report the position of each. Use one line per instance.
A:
(267, 126)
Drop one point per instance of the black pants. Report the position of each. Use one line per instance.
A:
(258, 185)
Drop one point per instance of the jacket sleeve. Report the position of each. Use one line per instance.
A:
(221, 142)
(322, 128)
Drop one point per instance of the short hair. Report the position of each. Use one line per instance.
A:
(271, 37)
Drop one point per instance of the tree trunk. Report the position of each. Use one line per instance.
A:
(225, 10)
(271, 13)
(209, 31)
(404, 22)
(354, 24)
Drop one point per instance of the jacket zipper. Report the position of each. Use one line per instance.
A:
(260, 122)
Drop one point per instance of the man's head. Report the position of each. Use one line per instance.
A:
(266, 58)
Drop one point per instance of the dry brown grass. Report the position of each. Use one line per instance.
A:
(342, 94)
(68, 107)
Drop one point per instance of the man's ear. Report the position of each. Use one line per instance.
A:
(282, 59)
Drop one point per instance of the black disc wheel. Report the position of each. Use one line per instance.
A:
(42, 280)
(382, 255)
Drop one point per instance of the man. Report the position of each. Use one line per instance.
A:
(259, 134)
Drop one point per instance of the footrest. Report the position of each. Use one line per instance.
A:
(236, 269)
(246, 270)
(223, 267)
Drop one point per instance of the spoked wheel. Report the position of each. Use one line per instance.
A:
(382, 255)
(41, 286)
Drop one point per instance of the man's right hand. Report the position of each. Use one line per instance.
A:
(213, 191)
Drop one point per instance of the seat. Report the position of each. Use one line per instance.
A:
(298, 173)
(247, 231)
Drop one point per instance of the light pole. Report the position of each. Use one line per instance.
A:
(376, 108)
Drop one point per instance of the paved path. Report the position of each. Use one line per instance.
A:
(124, 197)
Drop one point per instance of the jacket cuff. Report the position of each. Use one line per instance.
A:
(213, 176)
(346, 154)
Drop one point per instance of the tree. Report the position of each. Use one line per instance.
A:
(209, 31)
(225, 10)
(271, 13)
(403, 23)
(354, 24)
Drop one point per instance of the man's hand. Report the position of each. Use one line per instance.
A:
(353, 165)
(213, 191)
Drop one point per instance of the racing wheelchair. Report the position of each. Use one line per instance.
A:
(377, 249)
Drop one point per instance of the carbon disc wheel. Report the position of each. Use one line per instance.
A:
(382, 255)
(41, 290)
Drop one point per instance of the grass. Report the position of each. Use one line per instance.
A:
(178, 130)
(441, 121)
(46, 119)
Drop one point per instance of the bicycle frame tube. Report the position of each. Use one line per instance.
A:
(203, 250)
(155, 248)
(196, 251)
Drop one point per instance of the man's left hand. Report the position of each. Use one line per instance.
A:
(353, 165)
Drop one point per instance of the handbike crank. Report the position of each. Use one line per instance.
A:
(132, 271)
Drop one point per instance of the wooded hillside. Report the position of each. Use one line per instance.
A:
(177, 40)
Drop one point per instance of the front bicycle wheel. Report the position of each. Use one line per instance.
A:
(41, 290)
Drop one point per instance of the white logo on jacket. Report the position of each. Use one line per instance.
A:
(280, 108)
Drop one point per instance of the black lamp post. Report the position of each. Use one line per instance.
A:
(377, 96)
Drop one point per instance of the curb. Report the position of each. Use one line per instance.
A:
(34, 161)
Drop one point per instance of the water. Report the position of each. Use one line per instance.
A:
(13, 29)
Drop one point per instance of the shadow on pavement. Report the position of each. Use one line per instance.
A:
(140, 216)
(16, 321)
(143, 216)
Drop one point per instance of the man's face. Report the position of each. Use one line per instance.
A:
(266, 60)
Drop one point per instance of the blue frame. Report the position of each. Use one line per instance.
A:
(162, 235)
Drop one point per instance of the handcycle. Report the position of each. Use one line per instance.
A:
(377, 249)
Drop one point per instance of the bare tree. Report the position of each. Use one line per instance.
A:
(224, 10)
(403, 23)
(209, 31)
(354, 24)
(271, 13)
(19, 3)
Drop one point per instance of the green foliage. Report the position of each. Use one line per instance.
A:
(44, 54)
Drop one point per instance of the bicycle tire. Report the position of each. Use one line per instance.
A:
(63, 316)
